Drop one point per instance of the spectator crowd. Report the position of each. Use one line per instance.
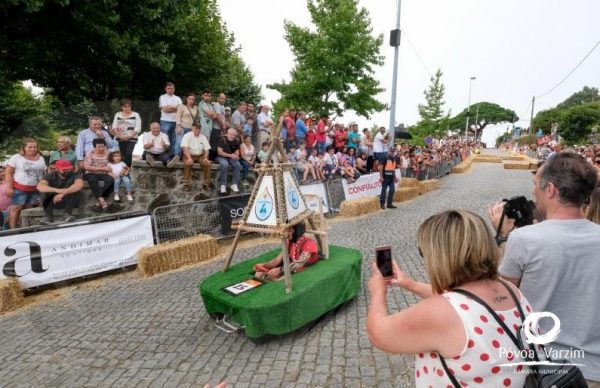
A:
(204, 132)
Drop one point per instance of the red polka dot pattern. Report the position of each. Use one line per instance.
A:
(478, 380)
(483, 318)
(506, 382)
(484, 357)
(495, 344)
(496, 370)
(466, 367)
(478, 330)
(464, 306)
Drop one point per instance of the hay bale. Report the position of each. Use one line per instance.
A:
(409, 182)
(461, 168)
(405, 194)
(11, 295)
(356, 207)
(514, 158)
(173, 255)
(517, 165)
(487, 159)
(428, 185)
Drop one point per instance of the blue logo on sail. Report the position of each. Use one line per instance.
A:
(292, 196)
(264, 206)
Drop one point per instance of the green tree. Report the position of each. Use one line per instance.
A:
(585, 95)
(334, 62)
(546, 119)
(503, 138)
(577, 122)
(485, 113)
(434, 99)
(104, 50)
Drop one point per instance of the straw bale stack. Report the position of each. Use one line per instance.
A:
(463, 166)
(487, 159)
(11, 295)
(403, 194)
(356, 207)
(517, 165)
(428, 185)
(409, 182)
(514, 157)
(173, 255)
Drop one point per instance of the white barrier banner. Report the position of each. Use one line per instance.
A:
(53, 255)
(365, 186)
(317, 189)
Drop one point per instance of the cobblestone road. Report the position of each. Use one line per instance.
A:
(134, 332)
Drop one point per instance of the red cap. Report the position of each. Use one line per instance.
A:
(62, 164)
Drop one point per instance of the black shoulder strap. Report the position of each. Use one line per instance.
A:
(492, 312)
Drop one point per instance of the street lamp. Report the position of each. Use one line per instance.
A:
(469, 106)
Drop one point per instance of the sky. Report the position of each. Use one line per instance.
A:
(516, 49)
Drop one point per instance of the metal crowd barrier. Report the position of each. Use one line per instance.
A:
(211, 216)
(214, 216)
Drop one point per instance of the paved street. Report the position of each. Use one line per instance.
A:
(130, 331)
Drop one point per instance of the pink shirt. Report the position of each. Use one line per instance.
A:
(5, 201)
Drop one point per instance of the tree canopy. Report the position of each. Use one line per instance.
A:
(87, 54)
(584, 96)
(335, 62)
(481, 115)
(576, 123)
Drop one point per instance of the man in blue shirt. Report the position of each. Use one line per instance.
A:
(87, 136)
(301, 128)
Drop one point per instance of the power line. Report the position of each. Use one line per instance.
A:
(571, 72)
(414, 49)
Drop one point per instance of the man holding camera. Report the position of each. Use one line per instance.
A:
(556, 262)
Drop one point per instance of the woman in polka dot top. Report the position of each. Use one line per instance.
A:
(459, 252)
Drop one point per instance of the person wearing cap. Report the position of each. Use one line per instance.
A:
(60, 189)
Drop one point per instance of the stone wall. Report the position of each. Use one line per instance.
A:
(153, 186)
(159, 186)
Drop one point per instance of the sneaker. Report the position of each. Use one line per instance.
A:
(150, 159)
(46, 220)
(383, 207)
(392, 207)
(173, 162)
(129, 198)
(223, 189)
(117, 198)
(70, 218)
(234, 188)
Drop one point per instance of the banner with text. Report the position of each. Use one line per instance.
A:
(365, 186)
(59, 254)
(317, 189)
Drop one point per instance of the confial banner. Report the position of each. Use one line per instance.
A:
(365, 186)
(59, 254)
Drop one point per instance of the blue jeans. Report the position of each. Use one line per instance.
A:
(125, 180)
(168, 128)
(245, 168)
(225, 163)
(388, 182)
(177, 144)
(321, 147)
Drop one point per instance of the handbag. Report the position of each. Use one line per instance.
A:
(543, 376)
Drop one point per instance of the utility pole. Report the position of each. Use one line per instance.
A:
(531, 119)
(468, 107)
(476, 122)
(394, 42)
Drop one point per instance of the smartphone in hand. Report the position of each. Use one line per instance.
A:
(383, 255)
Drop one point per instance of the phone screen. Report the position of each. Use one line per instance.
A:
(384, 261)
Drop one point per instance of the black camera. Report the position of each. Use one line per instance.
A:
(519, 209)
